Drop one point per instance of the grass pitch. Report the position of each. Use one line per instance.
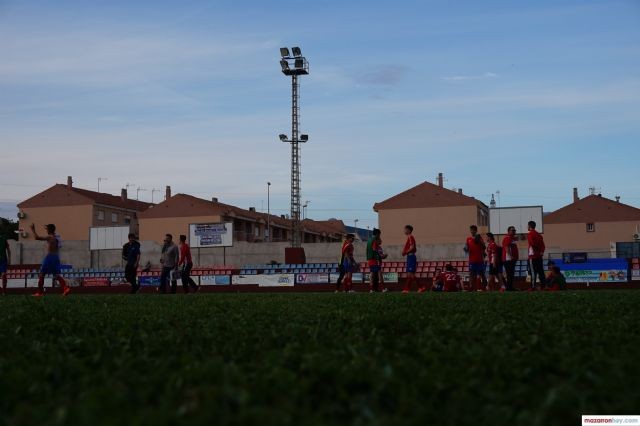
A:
(498, 359)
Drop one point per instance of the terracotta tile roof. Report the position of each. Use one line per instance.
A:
(183, 205)
(427, 195)
(329, 227)
(61, 195)
(592, 209)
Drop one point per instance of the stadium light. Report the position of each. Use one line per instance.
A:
(299, 63)
(296, 51)
(283, 137)
(285, 65)
(284, 52)
(304, 138)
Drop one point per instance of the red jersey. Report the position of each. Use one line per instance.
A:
(185, 254)
(451, 281)
(476, 247)
(509, 249)
(409, 246)
(536, 244)
(347, 250)
(492, 253)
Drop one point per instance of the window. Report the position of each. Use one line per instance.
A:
(114, 217)
(100, 215)
(591, 227)
(127, 220)
(256, 231)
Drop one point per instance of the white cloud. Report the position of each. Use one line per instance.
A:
(470, 77)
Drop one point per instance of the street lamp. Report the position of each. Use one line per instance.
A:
(268, 213)
(294, 65)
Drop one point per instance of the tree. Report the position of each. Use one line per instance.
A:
(8, 229)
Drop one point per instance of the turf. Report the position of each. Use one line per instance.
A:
(495, 359)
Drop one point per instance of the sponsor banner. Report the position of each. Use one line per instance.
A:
(635, 275)
(95, 282)
(312, 278)
(244, 280)
(215, 280)
(149, 281)
(387, 277)
(15, 283)
(33, 282)
(595, 276)
(276, 280)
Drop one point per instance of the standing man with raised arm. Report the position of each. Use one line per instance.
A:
(51, 262)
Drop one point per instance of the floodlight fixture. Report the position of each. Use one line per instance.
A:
(284, 52)
(283, 137)
(299, 63)
(304, 138)
(285, 65)
(296, 51)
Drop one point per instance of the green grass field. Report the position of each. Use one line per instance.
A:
(495, 359)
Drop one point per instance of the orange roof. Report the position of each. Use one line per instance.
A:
(592, 209)
(62, 195)
(329, 227)
(427, 195)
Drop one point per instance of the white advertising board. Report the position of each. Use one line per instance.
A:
(211, 234)
(500, 219)
(108, 237)
(276, 280)
(244, 280)
(312, 278)
(16, 283)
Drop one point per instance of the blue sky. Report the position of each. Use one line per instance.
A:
(528, 98)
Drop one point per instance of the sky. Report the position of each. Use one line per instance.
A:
(528, 99)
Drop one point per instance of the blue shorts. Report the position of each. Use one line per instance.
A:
(3, 266)
(51, 265)
(477, 268)
(374, 269)
(347, 266)
(412, 263)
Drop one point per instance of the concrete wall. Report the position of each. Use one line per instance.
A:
(72, 222)
(443, 225)
(77, 253)
(574, 236)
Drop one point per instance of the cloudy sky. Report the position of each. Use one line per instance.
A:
(526, 98)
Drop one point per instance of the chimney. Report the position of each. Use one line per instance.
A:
(575, 195)
(252, 209)
(123, 194)
(167, 193)
(69, 182)
(460, 191)
(214, 199)
(617, 198)
(440, 180)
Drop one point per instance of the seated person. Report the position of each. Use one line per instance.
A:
(452, 281)
(556, 280)
(438, 281)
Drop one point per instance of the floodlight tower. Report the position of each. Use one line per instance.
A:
(294, 64)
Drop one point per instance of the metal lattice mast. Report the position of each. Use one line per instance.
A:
(296, 240)
(294, 66)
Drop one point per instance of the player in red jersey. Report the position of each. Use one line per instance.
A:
(348, 263)
(494, 255)
(536, 254)
(412, 263)
(510, 255)
(475, 248)
(452, 281)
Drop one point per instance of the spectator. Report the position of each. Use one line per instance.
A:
(187, 264)
(510, 256)
(169, 260)
(536, 254)
(131, 255)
